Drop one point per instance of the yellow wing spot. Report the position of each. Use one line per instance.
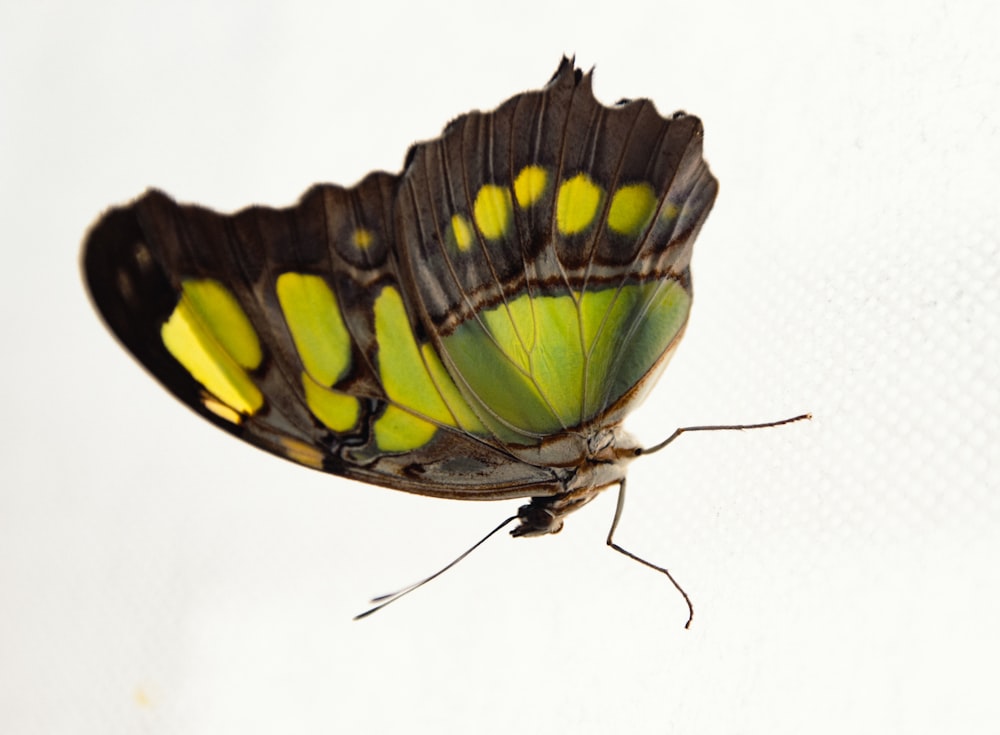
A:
(217, 309)
(317, 326)
(399, 431)
(576, 205)
(670, 211)
(196, 343)
(362, 238)
(460, 232)
(530, 185)
(338, 411)
(632, 207)
(299, 451)
(414, 379)
(492, 211)
(221, 409)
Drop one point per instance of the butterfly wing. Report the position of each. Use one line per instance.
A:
(459, 330)
(268, 323)
(549, 244)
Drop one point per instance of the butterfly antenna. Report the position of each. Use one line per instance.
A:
(733, 427)
(383, 600)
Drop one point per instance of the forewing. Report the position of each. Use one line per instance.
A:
(287, 328)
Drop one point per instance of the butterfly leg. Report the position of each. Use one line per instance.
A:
(630, 555)
(658, 447)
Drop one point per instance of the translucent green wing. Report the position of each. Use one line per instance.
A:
(464, 329)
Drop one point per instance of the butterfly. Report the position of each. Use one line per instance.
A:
(475, 328)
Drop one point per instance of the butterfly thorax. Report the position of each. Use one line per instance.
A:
(608, 453)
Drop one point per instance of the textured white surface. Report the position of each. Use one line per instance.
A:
(157, 576)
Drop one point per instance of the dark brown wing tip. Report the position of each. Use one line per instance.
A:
(117, 279)
(133, 293)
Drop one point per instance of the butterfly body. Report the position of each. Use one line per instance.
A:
(474, 328)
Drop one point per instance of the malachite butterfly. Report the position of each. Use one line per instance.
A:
(475, 327)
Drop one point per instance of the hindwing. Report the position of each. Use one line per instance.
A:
(549, 243)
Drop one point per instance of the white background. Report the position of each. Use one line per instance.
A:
(157, 576)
